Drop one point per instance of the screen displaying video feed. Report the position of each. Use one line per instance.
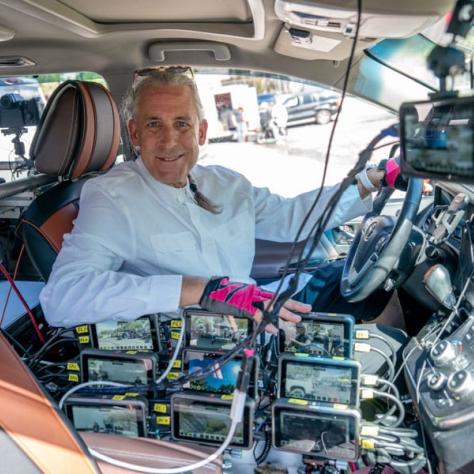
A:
(124, 335)
(216, 332)
(222, 381)
(117, 370)
(206, 422)
(438, 137)
(328, 436)
(314, 337)
(118, 420)
(322, 383)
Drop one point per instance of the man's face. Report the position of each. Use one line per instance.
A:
(168, 131)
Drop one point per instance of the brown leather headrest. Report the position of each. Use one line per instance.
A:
(79, 131)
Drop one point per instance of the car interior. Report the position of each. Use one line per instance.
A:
(162, 394)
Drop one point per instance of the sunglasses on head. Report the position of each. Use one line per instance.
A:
(178, 70)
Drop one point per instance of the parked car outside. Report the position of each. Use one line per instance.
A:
(319, 107)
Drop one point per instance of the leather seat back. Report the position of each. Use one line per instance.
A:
(78, 136)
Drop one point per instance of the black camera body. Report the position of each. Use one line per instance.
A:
(16, 112)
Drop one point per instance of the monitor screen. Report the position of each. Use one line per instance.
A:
(328, 436)
(315, 337)
(216, 332)
(109, 419)
(124, 335)
(135, 372)
(223, 380)
(207, 422)
(319, 382)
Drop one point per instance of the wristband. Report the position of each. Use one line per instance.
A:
(365, 181)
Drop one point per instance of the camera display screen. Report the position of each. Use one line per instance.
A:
(438, 137)
(325, 435)
(315, 337)
(135, 372)
(216, 332)
(110, 419)
(319, 381)
(200, 421)
(124, 335)
(223, 380)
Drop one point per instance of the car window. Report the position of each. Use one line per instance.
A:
(275, 148)
(22, 101)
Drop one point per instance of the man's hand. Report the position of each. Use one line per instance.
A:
(241, 299)
(392, 177)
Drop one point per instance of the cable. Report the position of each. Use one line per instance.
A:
(175, 354)
(25, 304)
(236, 414)
(278, 299)
(389, 345)
(88, 384)
(364, 347)
(391, 368)
(369, 394)
(15, 272)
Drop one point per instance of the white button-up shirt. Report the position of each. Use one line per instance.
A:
(135, 238)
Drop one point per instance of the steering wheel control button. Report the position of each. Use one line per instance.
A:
(437, 381)
(443, 353)
(460, 383)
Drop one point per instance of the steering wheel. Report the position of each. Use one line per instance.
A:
(378, 244)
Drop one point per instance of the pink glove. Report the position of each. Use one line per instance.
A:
(233, 298)
(393, 178)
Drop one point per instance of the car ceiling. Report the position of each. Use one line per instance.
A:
(114, 37)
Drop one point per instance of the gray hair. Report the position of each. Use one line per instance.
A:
(158, 78)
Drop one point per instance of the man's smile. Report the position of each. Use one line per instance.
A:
(169, 158)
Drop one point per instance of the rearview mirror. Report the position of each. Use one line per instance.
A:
(437, 139)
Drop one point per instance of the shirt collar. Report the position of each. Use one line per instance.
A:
(178, 194)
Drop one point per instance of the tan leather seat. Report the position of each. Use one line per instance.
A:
(147, 452)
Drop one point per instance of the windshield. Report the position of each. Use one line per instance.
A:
(404, 62)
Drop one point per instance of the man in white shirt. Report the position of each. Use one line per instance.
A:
(152, 232)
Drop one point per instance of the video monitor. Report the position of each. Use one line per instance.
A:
(215, 331)
(437, 139)
(318, 379)
(122, 368)
(138, 335)
(320, 334)
(207, 421)
(330, 434)
(117, 419)
(222, 381)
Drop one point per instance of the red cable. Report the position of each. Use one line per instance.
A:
(17, 266)
(25, 304)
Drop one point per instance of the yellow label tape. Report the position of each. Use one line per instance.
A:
(160, 408)
(176, 323)
(163, 420)
(172, 375)
(367, 444)
(118, 397)
(73, 378)
(175, 335)
(84, 339)
(73, 366)
(227, 396)
(297, 401)
(82, 329)
(177, 364)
